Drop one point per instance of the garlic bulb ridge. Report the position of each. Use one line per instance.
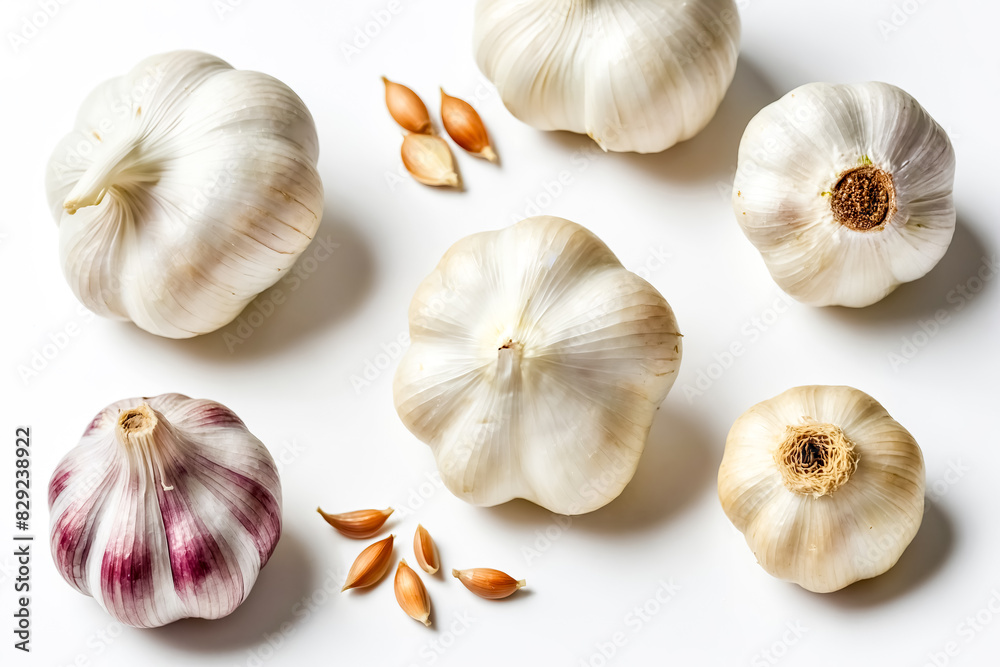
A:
(846, 191)
(185, 189)
(168, 508)
(826, 487)
(636, 75)
(537, 362)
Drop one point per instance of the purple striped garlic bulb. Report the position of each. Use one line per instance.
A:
(167, 508)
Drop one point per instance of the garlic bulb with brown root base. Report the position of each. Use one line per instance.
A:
(826, 487)
(846, 191)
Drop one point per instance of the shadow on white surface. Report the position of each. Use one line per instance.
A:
(926, 555)
(711, 154)
(286, 579)
(680, 461)
(921, 299)
(316, 294)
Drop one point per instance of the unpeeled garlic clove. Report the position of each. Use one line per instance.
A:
(465, 127)
(425, 550)
(411, 594)
(428, 159)
(370, 565)
(488, 583)
(406, 107)
(358, 524)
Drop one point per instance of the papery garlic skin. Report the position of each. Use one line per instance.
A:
(536, 365)
(185, 189)
(794, 156)
(167, 509)
(636, 75)
(824, 542)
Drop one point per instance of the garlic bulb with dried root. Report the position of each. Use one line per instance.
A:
(826, 487)
(536, 364)
(167, 509)
(185, 189)
(634, 75)
(846, 191)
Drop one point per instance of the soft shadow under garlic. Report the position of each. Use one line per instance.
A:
(938, 290)
(330, 280)
(288, 577)
(710, 154)
(924, 556)
(680, 462)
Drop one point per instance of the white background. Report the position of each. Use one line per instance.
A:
(344, 448)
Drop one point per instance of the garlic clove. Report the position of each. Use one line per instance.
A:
(406, 108)
(428, 159)
(425, 550)
(358, 524)
(846, 191)
(370, 565)
(167, 509)
(411, 594)
(465, 127)
(827, 488)
(489, 583)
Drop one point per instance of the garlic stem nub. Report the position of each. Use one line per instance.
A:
(108, 163)
(137, 427)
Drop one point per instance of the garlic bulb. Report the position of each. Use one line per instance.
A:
(185, 189)
(633, 75)
(846, 191)
(167, 509)
(826, 487)
(535, 367)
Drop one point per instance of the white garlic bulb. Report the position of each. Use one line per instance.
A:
(826, 487)
(634, 75)
(536, 365)
(167, 508)
(185, 189)
(846, 191)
